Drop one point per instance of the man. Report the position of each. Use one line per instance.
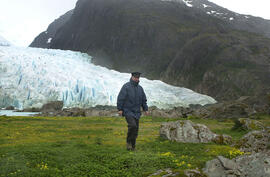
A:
(129, 102)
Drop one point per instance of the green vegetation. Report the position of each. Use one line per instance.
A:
(77, 146)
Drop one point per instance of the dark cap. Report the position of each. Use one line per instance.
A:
(136, 74)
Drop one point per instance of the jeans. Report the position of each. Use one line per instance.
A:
(133, 128)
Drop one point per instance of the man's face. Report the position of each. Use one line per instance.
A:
(136, 79)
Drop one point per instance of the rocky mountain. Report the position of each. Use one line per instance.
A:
(237, 21)
(190, 43)
(43, 40)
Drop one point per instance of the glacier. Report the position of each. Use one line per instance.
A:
(31, 77)
(4, 42)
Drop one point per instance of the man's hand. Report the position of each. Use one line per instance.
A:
(146, 113)
(120, 113)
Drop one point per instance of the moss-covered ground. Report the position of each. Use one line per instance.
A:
(95, 146)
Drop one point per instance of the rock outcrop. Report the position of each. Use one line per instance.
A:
(10, 108)
(248, 124)
(247, 165)
(189, 132)
(52, 106)
(243, 107)
(104, 111)
(176, 112)
(255, 141)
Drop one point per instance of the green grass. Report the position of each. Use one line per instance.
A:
(95, 146)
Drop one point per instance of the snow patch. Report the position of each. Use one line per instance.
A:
(205, 6)
(33, 76)
(187, 2)
(49, 40)
(231, 18)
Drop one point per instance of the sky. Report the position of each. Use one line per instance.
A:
(22, 20)
(259, 8)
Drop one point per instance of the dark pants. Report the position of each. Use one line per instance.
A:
(133, 128)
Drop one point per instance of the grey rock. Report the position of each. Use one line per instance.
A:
(194, 173)
(186, 131)
(165, 173)
(255, 141)
(10, 108)
(214, 168)
(52, 106)
(223, 139)
(254, 165)
(227, 163)
(248, 124)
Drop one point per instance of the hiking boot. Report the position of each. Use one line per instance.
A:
(129, 147)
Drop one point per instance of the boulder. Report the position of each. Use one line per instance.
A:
(229, 110)
(248, 124)
(255, 141)
(223, 139)
(81, 112)
(187, 131)
(10, 108)
(52, 106)
(164, 173)
(257, 164)
(176, 112)
(32, 110)
(194, 173)
(244, 107)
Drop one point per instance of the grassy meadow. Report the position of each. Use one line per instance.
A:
(95, 146)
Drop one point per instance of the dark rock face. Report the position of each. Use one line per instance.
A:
(44, 39)
(238, 21)
(169, 41)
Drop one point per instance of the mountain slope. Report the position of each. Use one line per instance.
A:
(43, 40)
(178, 42)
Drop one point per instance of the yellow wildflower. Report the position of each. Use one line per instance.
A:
(167, 154)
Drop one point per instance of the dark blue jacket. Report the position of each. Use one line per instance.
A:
(131, 98)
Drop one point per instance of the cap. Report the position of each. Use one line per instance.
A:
(136, 74)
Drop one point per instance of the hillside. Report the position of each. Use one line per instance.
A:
(173, 41)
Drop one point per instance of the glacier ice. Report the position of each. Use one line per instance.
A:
(30, 77)
(4, 42)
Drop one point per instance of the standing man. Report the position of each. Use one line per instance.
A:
(129, 102)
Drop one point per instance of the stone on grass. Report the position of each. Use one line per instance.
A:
(248, 124)
(255, 141)
(189, 132)
(257, 164)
